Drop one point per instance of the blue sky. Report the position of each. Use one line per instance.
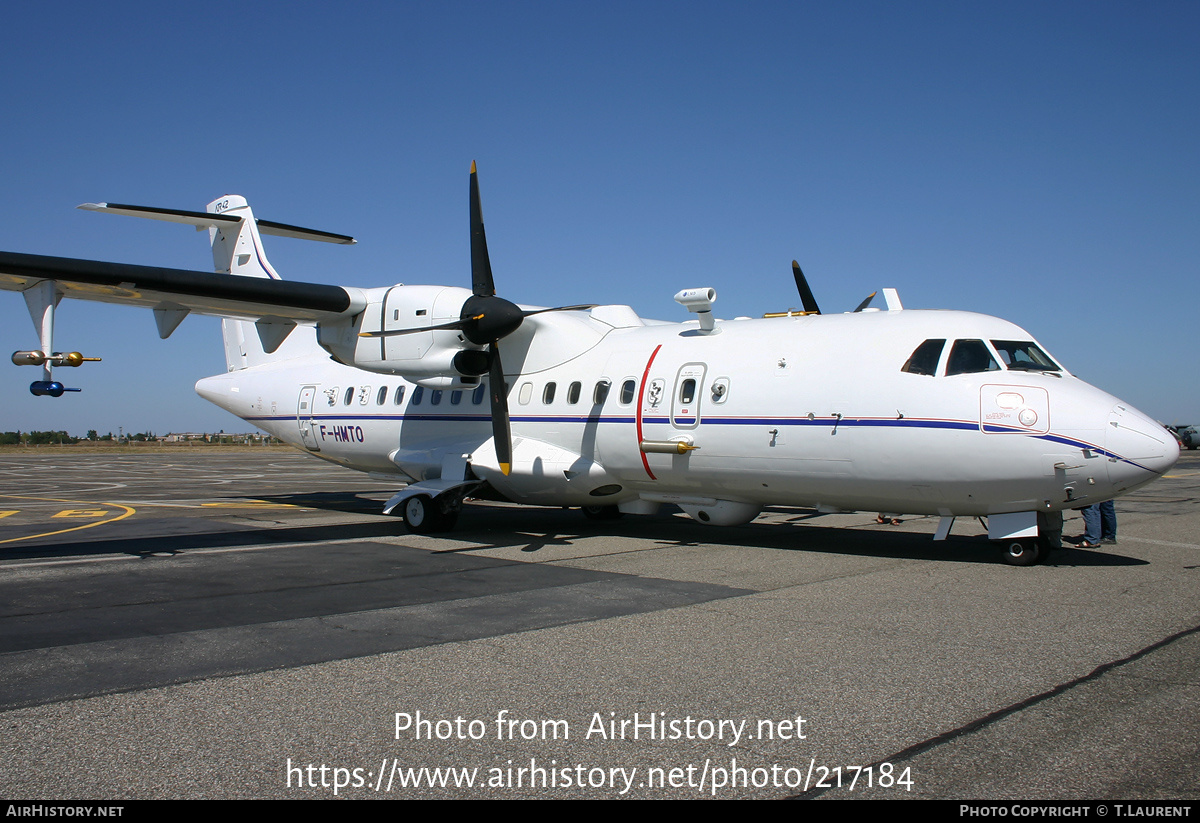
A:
(1035, 161)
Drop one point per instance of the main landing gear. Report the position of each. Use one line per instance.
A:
(602, 513)
(427, 515)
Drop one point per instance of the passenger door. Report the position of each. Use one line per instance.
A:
(304, 418)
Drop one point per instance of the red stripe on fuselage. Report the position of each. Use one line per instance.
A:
(641, 394)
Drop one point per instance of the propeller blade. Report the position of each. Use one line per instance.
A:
(806, 295)
(484, 318)
(866, 302)
(482, 284)
(501, 431)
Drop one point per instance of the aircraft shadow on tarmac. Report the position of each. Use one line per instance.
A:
(528, 530)
(483, 526)
(533, 528)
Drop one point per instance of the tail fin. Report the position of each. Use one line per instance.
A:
(236, 245)
(237, 250)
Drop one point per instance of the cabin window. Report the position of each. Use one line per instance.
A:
(573, 392)
(925, 358)
(548, 393)
(526, 394)
(687, 390)
(477, 395)
(970, 357)
(381, 398)
(399, 398)
(435, 397)
(601, 393)
(455, 397)
(1024, 356)
(627, 392)
(417, 394)
(349, 396)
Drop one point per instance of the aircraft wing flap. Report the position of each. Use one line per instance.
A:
(209, 293)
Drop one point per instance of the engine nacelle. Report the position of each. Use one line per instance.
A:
(440, 359)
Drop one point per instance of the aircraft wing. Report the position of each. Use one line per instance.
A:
(223, 295)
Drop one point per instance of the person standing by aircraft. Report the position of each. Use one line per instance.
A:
(1099, 525)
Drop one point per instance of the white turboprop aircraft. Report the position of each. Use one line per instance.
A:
(898, 411)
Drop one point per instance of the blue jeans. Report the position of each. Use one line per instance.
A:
(1100, 522)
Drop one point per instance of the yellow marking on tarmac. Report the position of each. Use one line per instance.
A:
(7, 513)
(129, 510)
(81, 513)
(249, 504)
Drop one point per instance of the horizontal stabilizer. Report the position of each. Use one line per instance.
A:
(284, 230)
(203, 220)
(199, 219)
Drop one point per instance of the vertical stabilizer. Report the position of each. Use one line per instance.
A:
(237, 249)
(236, 245)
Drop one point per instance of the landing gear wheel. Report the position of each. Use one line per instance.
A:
(602, 513)
(1045, 546)
(423, 515)
(1024, 552)
(418, 514)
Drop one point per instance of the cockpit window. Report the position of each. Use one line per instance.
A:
(970, 357)
(925, 359)
(1024, 356)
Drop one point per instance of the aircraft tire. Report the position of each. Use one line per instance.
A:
(602, 513)
(1046, 545)
(422, 515)
(1025, 552)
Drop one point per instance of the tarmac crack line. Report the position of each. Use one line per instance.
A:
(987, 720)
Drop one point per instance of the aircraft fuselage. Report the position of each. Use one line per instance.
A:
(800, 410)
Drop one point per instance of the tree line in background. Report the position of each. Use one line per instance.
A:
(32, 438)
(39, 438)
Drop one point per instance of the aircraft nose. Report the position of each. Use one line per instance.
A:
(1139, 448)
